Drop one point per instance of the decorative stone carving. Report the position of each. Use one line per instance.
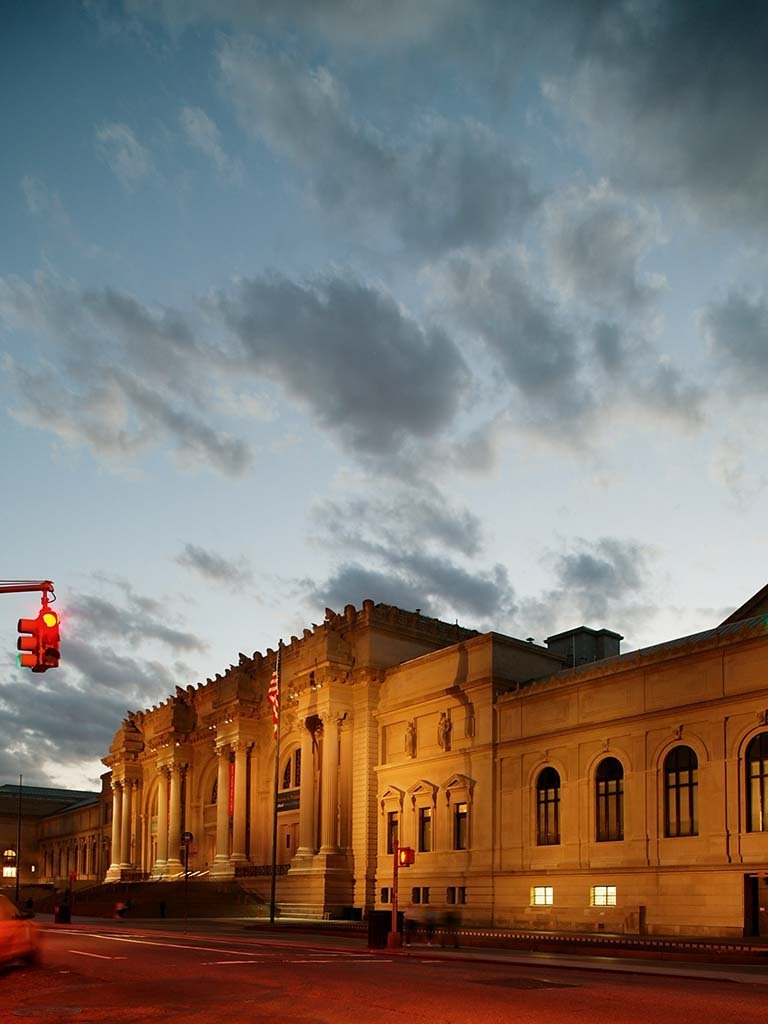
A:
(410, 738)
(444, 727)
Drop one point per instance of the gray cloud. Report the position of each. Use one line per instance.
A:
(129, 160)
(673, 97)
(214, 567)
(349, 353)
(526, 332)
(595, 241)
(409, 542)
(411, 517)
(597, 576)
(125, 376)
(202, 133)
(89, 612)
(453, 185)
(737, 332)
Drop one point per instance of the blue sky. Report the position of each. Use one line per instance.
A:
(460, 307)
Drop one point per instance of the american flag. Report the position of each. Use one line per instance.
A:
(273, 693)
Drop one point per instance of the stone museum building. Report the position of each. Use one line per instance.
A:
(554, 786)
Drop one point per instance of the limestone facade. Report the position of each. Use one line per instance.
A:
(624, 792)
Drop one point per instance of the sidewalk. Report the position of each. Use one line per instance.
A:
(238, 930)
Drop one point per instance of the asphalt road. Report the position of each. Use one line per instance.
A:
(121, 974)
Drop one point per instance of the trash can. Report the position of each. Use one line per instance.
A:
(379, 925)
(62, 914)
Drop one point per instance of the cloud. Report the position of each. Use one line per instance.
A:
(595, 240)
(672, 96)
(410, 516)
(408, 542)
(129, 160)
(88, 612)
(349, 353)
(737, 333)
(42, 202)
(527, 334)
(204, 135)
(453, 184)
(213, 567)
(125, 376)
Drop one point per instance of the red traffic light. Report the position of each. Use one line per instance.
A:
(39, 642)
(405, 856)
(30, 645)
(49, 639)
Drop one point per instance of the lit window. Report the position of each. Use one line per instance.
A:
(542, 896)
(603, 896)
(9, 863)
(425, 829)
(392, 830)
(548, 808)
(609, 792)
(460, 827)
(757, 784)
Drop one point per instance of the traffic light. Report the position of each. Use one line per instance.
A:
(49, 639)
(39, 642)
(405, 856)
(30, 645)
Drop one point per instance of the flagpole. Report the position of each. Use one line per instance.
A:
(276, 719)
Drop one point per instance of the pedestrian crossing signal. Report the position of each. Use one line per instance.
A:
(405, 856)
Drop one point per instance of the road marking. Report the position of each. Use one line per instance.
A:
(168, 945)
(99, 956)
(216, 963)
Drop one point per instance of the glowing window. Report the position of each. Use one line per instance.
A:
(603, 896)
(542, 896)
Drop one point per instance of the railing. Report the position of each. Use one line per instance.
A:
(258, 870)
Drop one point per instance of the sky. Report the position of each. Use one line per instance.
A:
(458, 306)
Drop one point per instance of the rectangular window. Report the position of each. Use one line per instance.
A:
(450, 894)
(392, 830)
(415, 894)
(425, 894)
(9, 872)
(385, 895)
(425, 829)
(542, 896)
(460, 827)
(603, 896)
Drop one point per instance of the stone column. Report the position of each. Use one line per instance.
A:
(306, 797)
(174, 825)
(136, 821)
(330, 785)
(116, 825)
(125, 832)
(241, 779)
(222, 810)
(162, 823)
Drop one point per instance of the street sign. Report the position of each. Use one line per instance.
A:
(186, 838)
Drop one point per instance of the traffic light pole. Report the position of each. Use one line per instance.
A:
(394, 939)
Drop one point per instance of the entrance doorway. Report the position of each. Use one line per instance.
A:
(756, 905)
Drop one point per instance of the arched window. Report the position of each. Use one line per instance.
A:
(681, 784)
(548, 808)
(291, 777)
(609, 800)
(757, 784)
(9, 863)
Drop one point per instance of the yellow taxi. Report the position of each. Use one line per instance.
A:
(19, 935)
